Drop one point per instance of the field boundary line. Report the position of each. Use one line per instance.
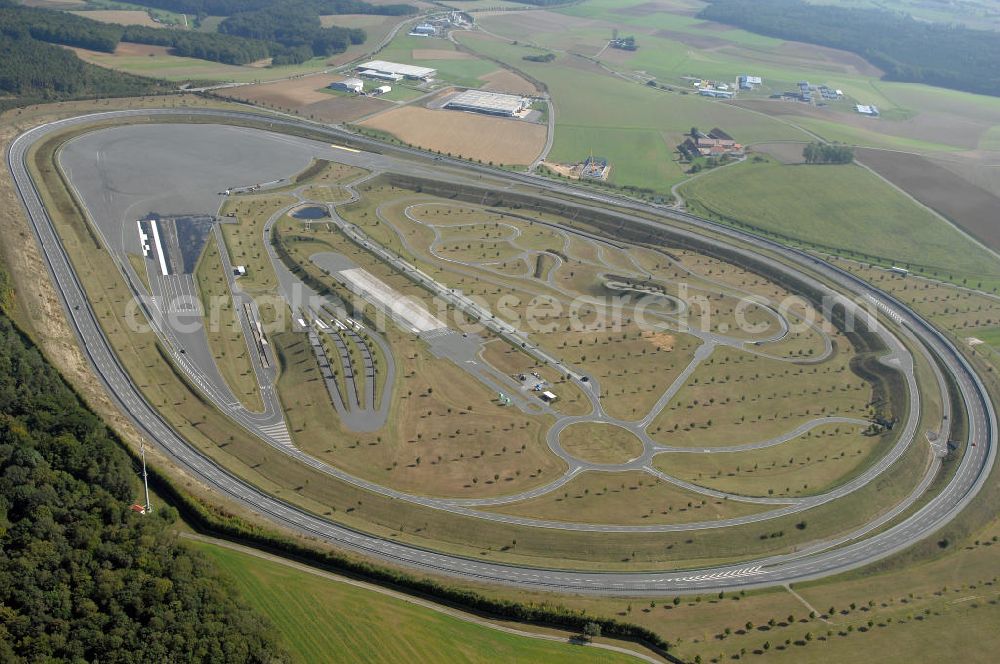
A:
(918, 203)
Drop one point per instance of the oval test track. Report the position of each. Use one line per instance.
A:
(968, 478)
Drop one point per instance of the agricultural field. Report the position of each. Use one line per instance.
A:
(156, 61)
(454, 67)
(469, 135)
(121, 17)
(325, 618)
(309, 97)
(966, 204)
(841, 208)
(638, 132)
(639, 127)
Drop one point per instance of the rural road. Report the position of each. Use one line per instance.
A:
(822, 560)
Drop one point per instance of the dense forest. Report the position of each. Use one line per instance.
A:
(291, 27)
(905, 49)
(82, 577)
(288, 32)
(295, 27)
(33, 72)
(66, 29)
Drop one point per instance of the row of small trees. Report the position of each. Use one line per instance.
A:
(828, 153)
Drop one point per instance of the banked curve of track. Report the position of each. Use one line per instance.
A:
(966, 482)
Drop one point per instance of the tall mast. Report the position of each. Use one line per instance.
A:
(145, 476)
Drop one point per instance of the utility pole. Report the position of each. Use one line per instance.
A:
(145, 477)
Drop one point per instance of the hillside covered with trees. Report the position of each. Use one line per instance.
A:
(56, 27)
(906, 49)
(288, 31)
(32, 71)
(82, 577)
(296, 29)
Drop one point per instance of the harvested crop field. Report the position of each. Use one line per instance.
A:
(931, 127)
(439, 54)
(508, 81)
(293, 93)
(970, 207)
(979, 167)
(705, 42)
(120, 17)
(53, 4)
(650, 8)
(786, 153)
(521, 24)
(363, 21)
(126, 49)
(470, 135)
(344, 109)
(829, 58)
(305, 96)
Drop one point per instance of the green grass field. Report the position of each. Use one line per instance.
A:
(459, 71)
(178, 68)
(673, 44)
(324, 620)
(635, 127)
(841, 207)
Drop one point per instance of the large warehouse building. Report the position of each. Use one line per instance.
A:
(491, 103)
(355, 85)
(393, 71)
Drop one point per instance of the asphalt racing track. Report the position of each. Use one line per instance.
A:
(817, 560)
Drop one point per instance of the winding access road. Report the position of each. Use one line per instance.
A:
(817, 560)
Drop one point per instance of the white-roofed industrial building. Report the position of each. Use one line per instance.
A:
(491, 103)
(423, 30)
(355, 85)
(394, 71)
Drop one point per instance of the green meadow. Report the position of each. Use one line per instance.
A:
(325, 620)
(842, 208)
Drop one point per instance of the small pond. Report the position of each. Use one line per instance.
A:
(310, 212)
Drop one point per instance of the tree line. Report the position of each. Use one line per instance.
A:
(56, 27)
(949, 56)
(82, 576)
(289, 32)
(297, 29)
(828, 153)
(32, 72)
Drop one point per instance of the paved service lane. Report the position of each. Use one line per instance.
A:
(815, 561)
